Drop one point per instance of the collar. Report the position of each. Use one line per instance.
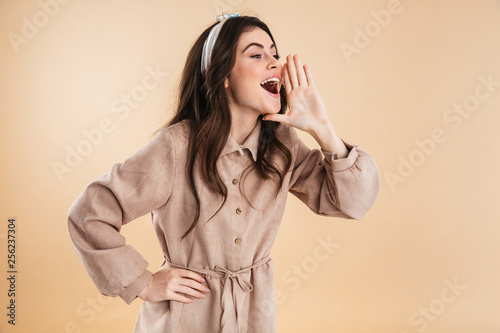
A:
(251, 143)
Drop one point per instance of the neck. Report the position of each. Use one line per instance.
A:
(242, 125)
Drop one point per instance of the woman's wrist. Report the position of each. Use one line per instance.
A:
(328, 140)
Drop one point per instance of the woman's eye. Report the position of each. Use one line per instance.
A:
(276, 56)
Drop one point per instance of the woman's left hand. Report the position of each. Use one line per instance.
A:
(307, 110)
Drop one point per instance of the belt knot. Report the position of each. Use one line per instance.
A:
(245, 285)
(226, 274)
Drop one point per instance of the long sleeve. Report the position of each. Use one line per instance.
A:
(127, 191)
(344, 187)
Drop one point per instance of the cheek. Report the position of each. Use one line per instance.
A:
(250, 82)
(249, 78)
(252, 72)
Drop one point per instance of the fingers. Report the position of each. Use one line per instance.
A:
(300, 71)
(190, 274)
(309, 75)
(278, 117)
(288, 85)
(292, 73)
(176, 284)
(187, 291)
(295, 74)
(195, 285)
(190, 284)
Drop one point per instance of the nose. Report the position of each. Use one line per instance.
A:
(273, 63)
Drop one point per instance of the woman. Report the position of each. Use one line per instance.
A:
(215, 179)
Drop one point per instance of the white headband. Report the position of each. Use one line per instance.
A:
(206, 55)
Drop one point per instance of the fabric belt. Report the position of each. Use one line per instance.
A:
(226, 274)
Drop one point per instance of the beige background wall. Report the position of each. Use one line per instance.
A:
(424, 259)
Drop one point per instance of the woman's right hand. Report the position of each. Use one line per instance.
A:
(169, 283)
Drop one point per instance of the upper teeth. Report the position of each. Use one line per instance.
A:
(271, 80)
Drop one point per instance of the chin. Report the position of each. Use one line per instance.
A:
(271, 111)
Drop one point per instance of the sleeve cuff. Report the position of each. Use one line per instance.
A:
(131, 291)
(339, 164)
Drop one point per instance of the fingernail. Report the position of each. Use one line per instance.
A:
(207, 290)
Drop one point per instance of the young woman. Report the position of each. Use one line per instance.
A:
(215, 180)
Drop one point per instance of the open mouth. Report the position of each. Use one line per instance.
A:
(271, 85)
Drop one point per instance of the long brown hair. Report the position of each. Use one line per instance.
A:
(202, 100)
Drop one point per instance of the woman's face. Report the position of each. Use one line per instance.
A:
(255, 62)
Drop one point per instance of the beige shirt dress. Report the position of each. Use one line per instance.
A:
(231, 251)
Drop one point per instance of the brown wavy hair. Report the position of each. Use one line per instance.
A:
(202, 100)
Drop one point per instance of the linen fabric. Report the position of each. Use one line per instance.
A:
(232, 249)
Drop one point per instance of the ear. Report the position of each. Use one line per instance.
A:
(226, 82)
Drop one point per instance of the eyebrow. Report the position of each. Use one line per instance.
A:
(257, 44)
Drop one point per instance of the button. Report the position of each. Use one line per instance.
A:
(238, 211)
(237, 240)
(235, 181)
